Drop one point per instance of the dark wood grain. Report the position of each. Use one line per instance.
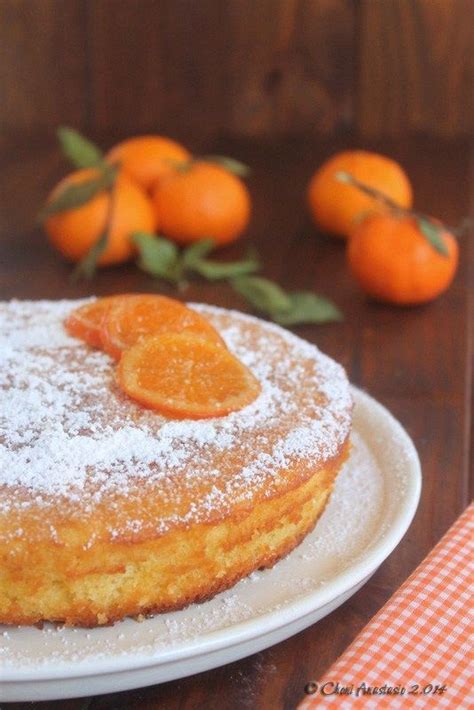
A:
(43, 65)
(416, 361)
(416, 67)
(241, 67)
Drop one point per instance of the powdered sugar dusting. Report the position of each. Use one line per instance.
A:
(350, 524)
(367, 514)
(69, 436)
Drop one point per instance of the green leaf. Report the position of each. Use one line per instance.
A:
(158, 256)
(74, 196)
(342, 176)
(197, 251)
(263, 294)
(215, 270)
(286, 308)
(308, 307)
(79, 150)
(230, 164)
(86, 268)
(433, 233)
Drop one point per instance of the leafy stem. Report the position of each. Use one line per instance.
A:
(236, 167)
(74, 195)
(431, 229)
(162, 259)
(286, 307)
(87, 266)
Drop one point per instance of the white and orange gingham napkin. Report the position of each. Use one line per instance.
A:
(419, 642)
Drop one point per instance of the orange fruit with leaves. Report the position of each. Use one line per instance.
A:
(202, 200)
(183, 375)
(394, 262)
(147, 159)
(336, 206)
(132, 318)
(74, 231)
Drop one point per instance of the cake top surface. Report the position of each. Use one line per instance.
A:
(72, 444)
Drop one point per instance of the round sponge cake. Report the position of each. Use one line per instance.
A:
(108, 509)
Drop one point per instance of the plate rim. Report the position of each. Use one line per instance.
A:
(267, 621)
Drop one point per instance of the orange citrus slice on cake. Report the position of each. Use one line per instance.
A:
(133, 318)
(85, 322)
(186, 376)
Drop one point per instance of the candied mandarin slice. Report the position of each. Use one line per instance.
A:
(86, 321)
(129, 321)
(185, 376)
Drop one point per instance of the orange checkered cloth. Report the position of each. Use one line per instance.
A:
(418, 644)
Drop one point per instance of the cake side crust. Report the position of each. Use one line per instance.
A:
(170, 572)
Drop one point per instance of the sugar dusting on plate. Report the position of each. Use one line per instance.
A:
(350, 524)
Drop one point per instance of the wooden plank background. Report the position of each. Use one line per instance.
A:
(259, 68)
(416, 361)
(282, 84)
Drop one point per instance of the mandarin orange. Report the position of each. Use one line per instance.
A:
(393, 261)
(74, 231)
(202, 201)
(147, 159)
(336, 206)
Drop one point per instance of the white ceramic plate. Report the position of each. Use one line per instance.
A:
(373, 503)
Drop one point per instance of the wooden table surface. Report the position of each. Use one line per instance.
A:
(416, 361)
